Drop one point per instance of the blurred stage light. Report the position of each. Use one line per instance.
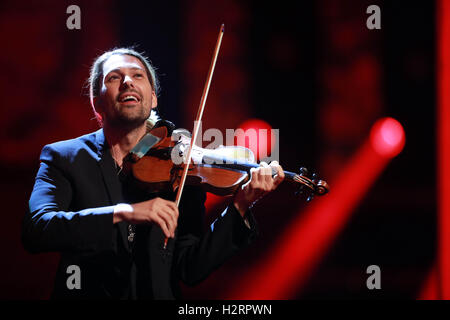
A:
(388, 137)
(256, 135)
(443, 146)
(212, 201)
(429, 290)
(293, 258)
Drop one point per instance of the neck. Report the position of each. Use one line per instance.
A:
(122, 140)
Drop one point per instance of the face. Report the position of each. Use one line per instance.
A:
(126, 97)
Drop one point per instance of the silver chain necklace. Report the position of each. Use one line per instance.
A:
(118, 168)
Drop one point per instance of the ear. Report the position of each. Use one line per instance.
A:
(97, 104)
(154, 100)
(97, 111)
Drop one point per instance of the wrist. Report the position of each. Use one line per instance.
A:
(241, 206)
(121, 212)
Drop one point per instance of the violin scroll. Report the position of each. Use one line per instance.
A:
(310, 185)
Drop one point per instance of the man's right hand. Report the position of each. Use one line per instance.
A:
(160, 211)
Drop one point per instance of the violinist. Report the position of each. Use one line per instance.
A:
(85, 206)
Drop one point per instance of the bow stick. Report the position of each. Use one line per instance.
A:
(198, 119)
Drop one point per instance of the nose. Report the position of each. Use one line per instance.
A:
(127, 81)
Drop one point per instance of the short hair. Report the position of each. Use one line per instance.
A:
(96, 74)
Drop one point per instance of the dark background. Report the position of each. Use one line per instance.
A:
(311, 69)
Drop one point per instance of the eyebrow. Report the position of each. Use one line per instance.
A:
(132, 68)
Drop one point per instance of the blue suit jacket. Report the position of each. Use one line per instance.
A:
(71, 211)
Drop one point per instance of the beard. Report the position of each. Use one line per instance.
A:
(128, 117)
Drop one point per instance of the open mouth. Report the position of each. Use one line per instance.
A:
(129, 98)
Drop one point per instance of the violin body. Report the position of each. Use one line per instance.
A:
(156, 171)
(158, 174)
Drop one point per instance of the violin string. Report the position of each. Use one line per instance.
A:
(303, 180)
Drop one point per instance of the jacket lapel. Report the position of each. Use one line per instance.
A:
(111, 179)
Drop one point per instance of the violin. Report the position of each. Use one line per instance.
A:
(159, 159)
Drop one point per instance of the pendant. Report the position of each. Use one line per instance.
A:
(130, 233)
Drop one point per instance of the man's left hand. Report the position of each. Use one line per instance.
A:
(261, 183)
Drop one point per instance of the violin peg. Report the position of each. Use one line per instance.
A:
(311, 196)
(303, 171)
(300, 190)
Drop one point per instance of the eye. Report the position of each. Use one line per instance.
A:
(113, 77)
(139, 75)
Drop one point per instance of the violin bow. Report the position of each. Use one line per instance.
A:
(198, 119)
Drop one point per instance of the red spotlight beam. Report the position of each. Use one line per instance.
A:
(429, 290)
(298, 251)
(443, 145)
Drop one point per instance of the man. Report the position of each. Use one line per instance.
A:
(84, 206)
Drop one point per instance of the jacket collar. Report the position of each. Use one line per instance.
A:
(110, 178)
(108, 168)
(101, 144)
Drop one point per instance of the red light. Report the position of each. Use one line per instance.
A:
(387, 137)
(212, 200)
(430, 288)
(257, 136)
(443, 147)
